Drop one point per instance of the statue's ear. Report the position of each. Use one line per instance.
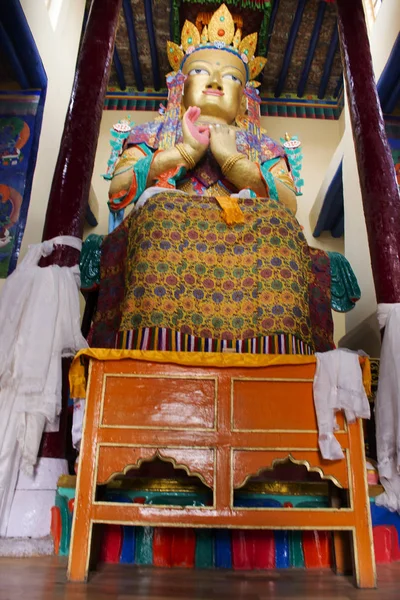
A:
(243, 105)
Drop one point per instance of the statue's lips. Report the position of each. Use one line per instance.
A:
(213, 92)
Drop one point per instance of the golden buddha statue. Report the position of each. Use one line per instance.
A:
(211, 257)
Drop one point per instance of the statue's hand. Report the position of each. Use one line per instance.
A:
(222, 142)
(195, 137)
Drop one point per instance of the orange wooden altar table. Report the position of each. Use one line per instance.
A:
(223, 420)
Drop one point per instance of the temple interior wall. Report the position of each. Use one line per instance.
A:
(58, 46)
(361, 323)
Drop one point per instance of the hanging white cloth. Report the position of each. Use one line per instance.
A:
(39, 324)
(387, 408)
(338, 386)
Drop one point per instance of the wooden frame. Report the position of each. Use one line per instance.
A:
(228, 443)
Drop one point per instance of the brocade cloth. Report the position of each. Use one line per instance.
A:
(175, 264)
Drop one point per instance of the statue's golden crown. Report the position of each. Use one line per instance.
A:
(219, 33)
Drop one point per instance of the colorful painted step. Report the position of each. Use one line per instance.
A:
(204, 558)
(386, 544)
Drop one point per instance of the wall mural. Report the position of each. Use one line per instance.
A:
(16, 143)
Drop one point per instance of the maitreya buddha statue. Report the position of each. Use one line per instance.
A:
(211, 257)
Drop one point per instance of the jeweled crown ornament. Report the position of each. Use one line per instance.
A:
(220, 34)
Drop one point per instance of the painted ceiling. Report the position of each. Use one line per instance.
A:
(299, 38)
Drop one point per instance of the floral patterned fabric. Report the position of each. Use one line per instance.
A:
(176, 265)
(188, 271)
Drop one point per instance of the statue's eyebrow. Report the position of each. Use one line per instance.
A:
(201, 60)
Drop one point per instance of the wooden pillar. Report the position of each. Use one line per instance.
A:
(73, 173)
(374, 160)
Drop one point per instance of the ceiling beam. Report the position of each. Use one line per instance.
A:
(130, 26)
(311, 49)
(152, 43)
(328, 63)
(290, 47)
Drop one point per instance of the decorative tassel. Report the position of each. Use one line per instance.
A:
(119, 133)
(231, 213)
(294, 153)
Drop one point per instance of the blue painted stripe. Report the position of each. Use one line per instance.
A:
(119, 69)
(388, 85)
(311, 49)
(7, 48)
(290, 47)
(130, 26)
(128, 545)
(152, 43)
(393, 99)
(331, 216)
(223, 549)
(282, 558)
(13, 19)
(394, 143)
(329, 62)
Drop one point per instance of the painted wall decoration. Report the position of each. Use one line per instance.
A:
(17, 127)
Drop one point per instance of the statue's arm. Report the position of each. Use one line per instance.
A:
(284, 185)
(137, 170)
(123, 173)
(245, 174)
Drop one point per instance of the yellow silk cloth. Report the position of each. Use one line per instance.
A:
(231, 212)
(77, 377)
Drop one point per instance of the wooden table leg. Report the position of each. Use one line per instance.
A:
(342, 541)
(342, 552)
(363, 545)
(81, 537)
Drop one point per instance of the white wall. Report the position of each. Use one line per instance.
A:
(319, 140)
(383, 36)
(58, 49)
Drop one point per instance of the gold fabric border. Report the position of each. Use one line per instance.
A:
(77, 377)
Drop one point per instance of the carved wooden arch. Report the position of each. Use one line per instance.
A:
(251, 463)
(116, 460)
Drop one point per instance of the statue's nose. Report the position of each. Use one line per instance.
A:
(215, 81)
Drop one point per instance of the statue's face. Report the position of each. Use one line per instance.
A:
(215, 83)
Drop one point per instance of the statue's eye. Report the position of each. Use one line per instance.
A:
(198, 72)
(232, 78)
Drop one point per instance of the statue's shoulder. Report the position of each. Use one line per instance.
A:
(147, 133)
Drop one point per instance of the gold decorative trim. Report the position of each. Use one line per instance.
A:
(162, 376)
(140, 461)
(289, 458)
(278, 488)
(233, 525)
